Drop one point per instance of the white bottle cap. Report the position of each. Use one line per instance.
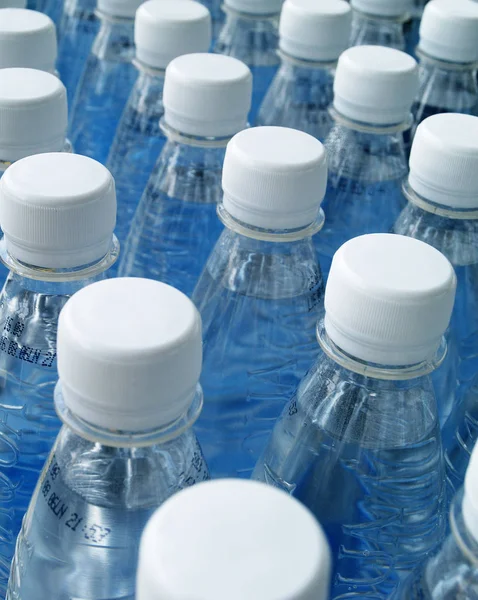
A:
(123, 9)
(255, 7)
(58, 210)
(375, 85)
(383, 8)
(13, 3)
(207, 95)
(449, 30)
(315, 29)
(444, 160)
(129, 354)
(233, 539)
(27, 39)
(274, 177)
(389, 299)
(33, 113)
(470, 497)
(165, 29)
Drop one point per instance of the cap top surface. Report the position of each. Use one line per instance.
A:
(27, 86)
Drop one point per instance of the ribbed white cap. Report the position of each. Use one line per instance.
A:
(449, 30)
(233, 539)
(444, 160)
(389, 299)
(274, 177)
(57, 210)
(165, 29)
(255, 7)
(383, 8)
(13, 3)
(207, 95)
(27, 39)
(315, 29)
(470, 497)
(125, 9)
(129, 354)
(375, 85)
(33, 113)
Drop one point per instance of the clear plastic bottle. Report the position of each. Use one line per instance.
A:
(359, 443)
(448, 55)
(453, 573)
(217, 14)
(442, 210)
(54, 9)
(129, 360)
(412, 26)
(206, 100)
(312, 35)
(260, 293)
(250, 34)
(106, 82)
(58, 213)
(379, 23)
(374, 89)
(164, 29)
(233, 539)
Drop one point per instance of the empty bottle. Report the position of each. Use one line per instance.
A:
(233, 539)
(106, 82)
(250, 34)
(58, 213)
(359, 443)
(448, 55)
(374, 89)
(27, 39)
(453, 573)
(260, 293)
(312, 35)
(206, 100)
(129, 360)
(379, 23)
(164, 29)
(412, 26)
(442, 210)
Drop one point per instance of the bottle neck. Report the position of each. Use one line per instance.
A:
(6, 162)
(301, 64)
(397, 20)
(146, 70)
(431, 62)
(235, 15)
(176, 136)
(440, 210)
(370, 128)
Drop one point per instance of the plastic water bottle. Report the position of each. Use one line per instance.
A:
(217, 14)
(58, 213)
(164, 29)
(359, 443)
(250, 34)
(412, 26)
(453, 572)
(107, 80)
(442, 210)
(54, 9)
(379, 23)
(233, 539)
(129, 360)
(206, 100)
(312, 35)
(27, 39)
(448, 55)
(374, 89)
(261, 292)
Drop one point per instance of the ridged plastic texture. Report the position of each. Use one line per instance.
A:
(274, 177)
(33, 113)
(57, 210)
(129, 354)
(449, 30)
(389, 299)
(444, 160)
(255, 7)
(248, 532)
(316, 30)
(375, 85)
(207, 95)
(125, 9)
(383, 8)
(165, 29)
(27, 39)
(470, 498)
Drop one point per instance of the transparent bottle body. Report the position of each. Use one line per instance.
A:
(81, 534)
(54, 9)
(175, 225)
(103, 90)
(299, 97)
(364, 190)
(76, 32)
(259, 301)
(368, 30)
(254, 41)
(364, 455)
(136, 147)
